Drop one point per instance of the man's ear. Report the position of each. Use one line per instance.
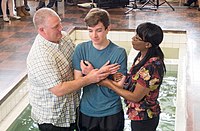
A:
(40, 29)
(148, 45)
(109, 27)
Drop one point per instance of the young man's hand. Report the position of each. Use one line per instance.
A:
(86, 67)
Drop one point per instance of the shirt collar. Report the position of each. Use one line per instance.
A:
(48, 43)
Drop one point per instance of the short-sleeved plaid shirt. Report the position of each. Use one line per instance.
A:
(48, 65)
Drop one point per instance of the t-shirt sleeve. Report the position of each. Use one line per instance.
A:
(123, 62)
(119, 56)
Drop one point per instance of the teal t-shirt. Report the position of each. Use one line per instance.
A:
(100, 101)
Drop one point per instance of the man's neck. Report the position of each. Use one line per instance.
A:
(102, 46)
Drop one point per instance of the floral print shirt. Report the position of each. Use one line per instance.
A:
(148, 77)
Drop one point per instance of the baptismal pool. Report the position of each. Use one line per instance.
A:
(167, 101)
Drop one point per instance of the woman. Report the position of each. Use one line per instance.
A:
(141, 89)
(11, 10)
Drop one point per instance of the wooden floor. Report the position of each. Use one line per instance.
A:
(17, 37)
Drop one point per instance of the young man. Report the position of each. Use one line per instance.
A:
(100, 107)
(54, 95)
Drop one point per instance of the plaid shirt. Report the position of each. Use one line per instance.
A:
(48, 65)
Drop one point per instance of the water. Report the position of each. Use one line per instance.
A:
(24, 122)
(167, 101)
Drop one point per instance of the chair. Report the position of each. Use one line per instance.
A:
(165, 1)
(135, 6)
(157, 4)
(151, 2)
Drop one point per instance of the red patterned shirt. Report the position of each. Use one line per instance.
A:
(148, 77)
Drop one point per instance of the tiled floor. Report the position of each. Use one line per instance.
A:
(17, 37)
